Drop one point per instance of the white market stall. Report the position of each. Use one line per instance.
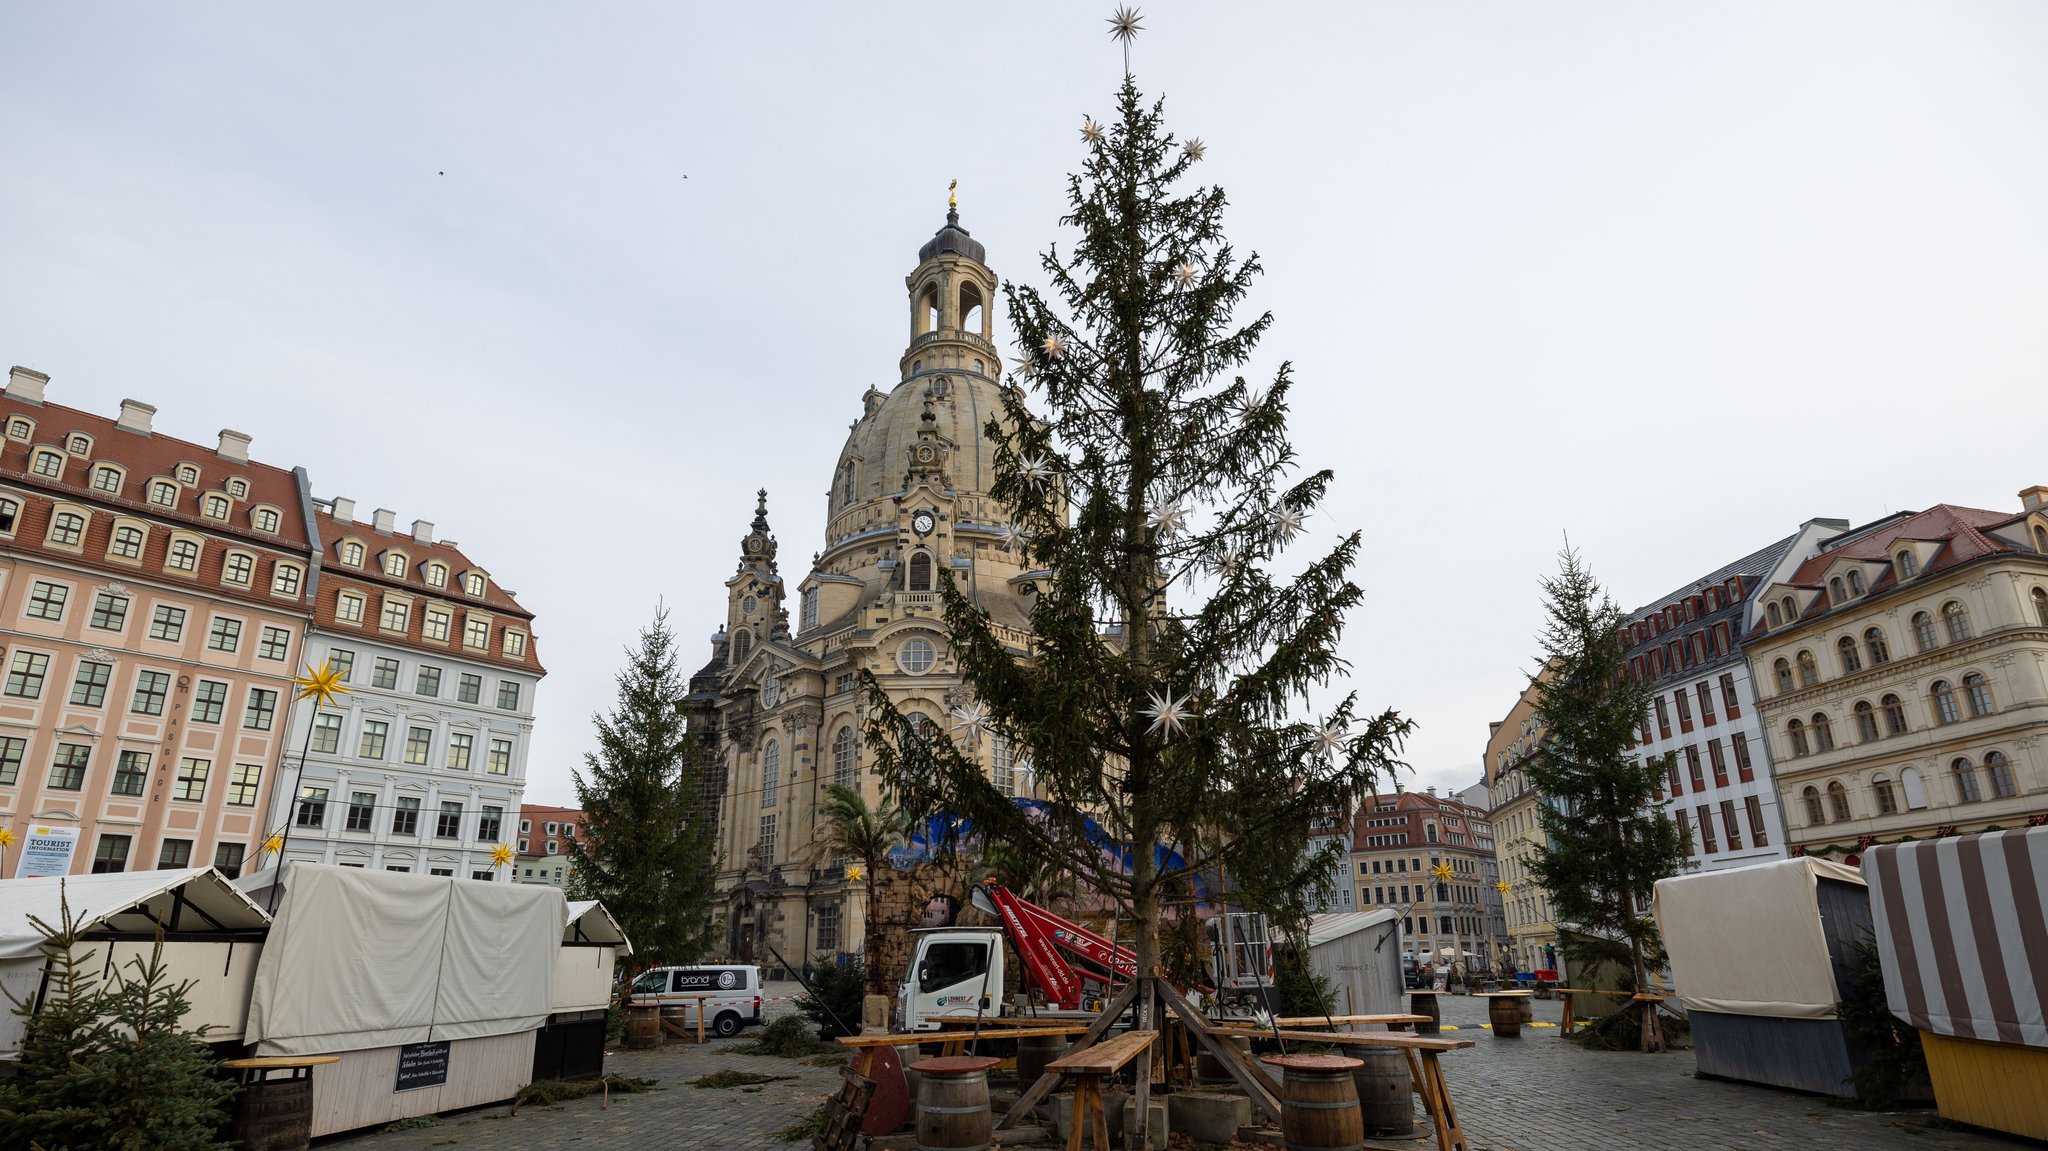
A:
(430, 989)
(571, 1044)
(1359, 952)
(1759, 956)
(212, 936)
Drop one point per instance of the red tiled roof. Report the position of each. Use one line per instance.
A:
(1960, 531)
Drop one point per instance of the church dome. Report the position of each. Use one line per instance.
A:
(883, 444)
(953, 238)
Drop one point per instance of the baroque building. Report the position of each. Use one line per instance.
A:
(1905, 673)
(1401, 845)
(777, 710)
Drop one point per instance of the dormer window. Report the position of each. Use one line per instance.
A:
(473, 584)
(238, 488)
(264, 519)
(107, 478)
(1855, 582)
(394, 564)
(48, 463)
(20, 429)
(239, 568)
(1908, 565)
(188, 474)
(78, 444)
(352, 553)
(214, 507)
(183, 556)
(163, 493)
(515, 644)
(436, 575)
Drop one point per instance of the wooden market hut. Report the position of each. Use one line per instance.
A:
(1962, 931)
(570, 1045)
(1359, 952)
(1760, 956)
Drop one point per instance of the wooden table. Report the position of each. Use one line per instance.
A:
(300, 1066)
(1346, 1020)
(950, 1042)
(1423, 1068)
(1571, 1020)
(1089, 1067)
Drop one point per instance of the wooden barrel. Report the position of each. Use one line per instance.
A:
(1034, 1052)
(1527, 1006)
(274, 1115)
(1424, 1003)
(1318, 1103)
(1506, 1016)
(952, 1103)
(1385, 1090)
(1208, 1069)
(643, 1027)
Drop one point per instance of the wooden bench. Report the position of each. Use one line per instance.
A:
(1347, 1020)
(1571, 1019)
(1089, 1067)
(1424, 1070)
(951, 1042)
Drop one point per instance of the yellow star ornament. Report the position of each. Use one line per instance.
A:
(6, 837)
(1503, 887)
(853, 872)
(501, 855)
(323, 685)
(1442, 871)
(271, 846)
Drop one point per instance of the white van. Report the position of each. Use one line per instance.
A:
(734, 990)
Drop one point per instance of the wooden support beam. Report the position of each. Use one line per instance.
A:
(1258, 1087)
(1050, 1079)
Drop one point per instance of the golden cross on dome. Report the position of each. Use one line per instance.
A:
(952, 196)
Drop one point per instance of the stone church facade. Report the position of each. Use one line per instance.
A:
(778, 709)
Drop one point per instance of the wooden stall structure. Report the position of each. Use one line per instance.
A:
(1760, 956)
(1359, 952)
(1962, 930)
(213, 935)
(570, 1045)
(430, 989)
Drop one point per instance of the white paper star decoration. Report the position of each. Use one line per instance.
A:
(1025, 364)
(1015, 537)
(1125, 23)
(1167, 520)
(1090, 130)
(1227, 565)
(1330, 741)
(1054, 346)
(1286, 523)
(1195, 149)
(1253, 400)
(1186, 273)
(1168, 713)
(1033, 470)
(969, 719)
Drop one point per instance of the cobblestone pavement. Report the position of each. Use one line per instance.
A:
(1538, 1093)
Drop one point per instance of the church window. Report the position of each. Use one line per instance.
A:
(807, 616)
(846, 485)
(970, 308)
(1004, 768)
(771, 772)
(742, 643)
(928, 310)
(748, 604)
(920, 571)
(842, 757)
(916, 656)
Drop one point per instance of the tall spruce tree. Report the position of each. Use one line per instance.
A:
(651, 852)
(1169, 692)
(1608, 842)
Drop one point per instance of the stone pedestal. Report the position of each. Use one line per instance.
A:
(1155, 1124)
(874, 1014)
(1208, 1116)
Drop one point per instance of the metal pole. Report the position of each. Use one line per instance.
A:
(292, 805)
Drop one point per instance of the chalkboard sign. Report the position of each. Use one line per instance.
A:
(422, 1065)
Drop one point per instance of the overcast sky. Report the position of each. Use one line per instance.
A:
(572, 281)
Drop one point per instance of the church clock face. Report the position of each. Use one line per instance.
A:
(923, 522)
(753, 543)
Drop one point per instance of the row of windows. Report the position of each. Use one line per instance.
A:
(163, 492)
(361, 815)
(1696, 769)
(184, 554)
(48, 601)
(373, 742)
(1673, 616)
(1731, 829)
(396, 562)
(28, 671)
(1817, 734)
(110, 854)
(70, 763)
(1875, 651)
(1964, 777)
(386, 673)
(1682, 703)
(394, 614)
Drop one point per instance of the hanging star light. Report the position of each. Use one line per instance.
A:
(1168, 713)
(1054, 346)
(1025, 364)
(1124, 26)
(1015, 537)
(1195, 149)
(1090, 130)
(501, 855)
(1186, 273)
(1442, 871)
(1227, 564)
(1167, 520)
(272, 846)
(1250, 402)
(969, 719)
(1033, 470)
(1330, 740)
(323, 685)
(1287, 523)
(853, 871)
(6, 837)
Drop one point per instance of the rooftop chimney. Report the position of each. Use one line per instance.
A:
(423, 531)
(26, 384)
(234, 446)
(344, 510)
(135, 416)
(2032, 499)
(384, 519)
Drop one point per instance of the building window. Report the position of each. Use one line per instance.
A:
(1809, 669)
(767, 839)
(49, 463)
(468, 688)
(916, 656)
(771, 771)
(1838, 801)
(1706, 694)
(342, 662)
(1944, 698)
(1894, 715)
(348, 607)
(370, 745)
(395, 615)
(46, 601)
(264, 520)
(1923, 631)
(434, 625)
(214, 507)
(67, 768)
(362, 810)
(1835, 593)
(1814, 814)
(459, 746)
(384, 673)
(1908, 565)
(284, 580)
(807, 611)
(1684, 709)
(427, 682)
(242, 785)
(1663, 718)
(326, 733)
(1866, 722)
(843, 757)
(12, 749)
(473, 584)
(1706, 818)
(1692, 764)
(1002, 764)
(1823, 732)
(183, 556)
(1796, 732)
(312, 807)
(351, 554)
(1887, 799)
(111, 855)
(1874, 643)
(131, 772)
(515, 644)
(394, 565)
(151, 688)
(225, 634)
(419, 741)
(109, 612)
(1856, 585)
(163, 493)
(1957, 618)
(1771, 614)
(1979, 691)
(448, 824)
(489, 823)
(174, 855)
(508, 695)
(227, 859)
(1729, 826)
(1719, 762)
(406, 819)
(262, 710)
(67, 528)
(1967, 790)
(276, 642)
(920, 571)
(89, 685)
(239, 569)
(1671, 773)
(1845, 649)
(499, 761)
(828, 928)
(2041, 602)
(1755, 808)
(1782, 673)
(1999, 769)
(126, 542)
(191, 782)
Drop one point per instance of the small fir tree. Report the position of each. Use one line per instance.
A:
(651, 852)
(1166, 705)
(109, 1066)
(1608, 841)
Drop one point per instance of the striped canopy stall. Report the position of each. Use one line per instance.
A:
(1962, 928)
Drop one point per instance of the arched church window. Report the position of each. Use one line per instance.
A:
(771, 772)
(970, 308)
(842, 757)
(928, 310)
(742, 643)
(920, 571)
